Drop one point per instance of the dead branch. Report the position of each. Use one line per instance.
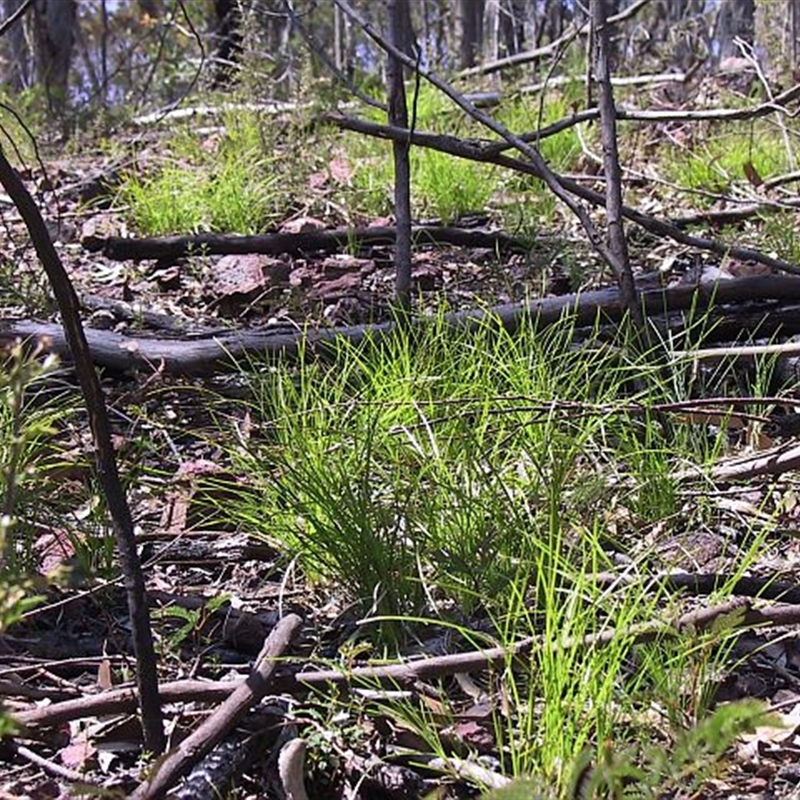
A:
(706, 584)
(775, 106)
(105, 459)
(475, 152)
(192, 112)
(172, 247)
(50, 767)
(542, 52)
(739, 613)
(398, 115)
(208, 354)
(738, 213)
(199, 743)
(775, 461)
(631, 80)
(121, 701)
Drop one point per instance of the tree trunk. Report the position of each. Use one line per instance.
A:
(736, 18)
(54, 36)
(17, 49)
(229, 37)
(512, 27)
(401, 37)
(470, 17)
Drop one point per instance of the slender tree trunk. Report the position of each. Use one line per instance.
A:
(400, 36)
(470, 17)
(617, 246)
(105, 459)
(54, 34)
(17, 47)
(736, 19)
(793, 32)
(229, 37)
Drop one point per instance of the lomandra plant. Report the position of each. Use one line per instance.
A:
(25, 453)
(438, 462)
(476, 480)
(31, 404)
(224, 185)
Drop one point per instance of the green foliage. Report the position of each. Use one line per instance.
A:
(189, 620)
(28, 458)
(27, 423)
(447, 187)
(441, 185)
(652, 771)
(228, 187)
(444, 474)
(23, 287)
(781, 236)
(415, 460)
(719, 158)
(522, 789)
(524, 115)
(22, 120)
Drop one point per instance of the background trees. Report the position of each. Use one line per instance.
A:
(106, 54)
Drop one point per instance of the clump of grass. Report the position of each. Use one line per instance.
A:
(227, 187)
(439, 456)
(445, 476)
(30, 458)
(524, 115)
(720, 158)
(780, 237)
(448, 187)
(441, 185)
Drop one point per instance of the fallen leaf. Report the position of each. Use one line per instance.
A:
(302, 225)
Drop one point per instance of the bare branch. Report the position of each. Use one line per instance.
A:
(69, 307)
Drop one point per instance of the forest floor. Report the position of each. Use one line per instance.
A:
(217, 589)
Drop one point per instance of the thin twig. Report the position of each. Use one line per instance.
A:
(742, 616)
(50, 767)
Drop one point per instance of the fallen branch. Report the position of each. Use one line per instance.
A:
(775, 106)
(708, 583)
(171, 247)
(775, 461)
(51, 768)
(205, 355)
(741, 614)
(247, 693)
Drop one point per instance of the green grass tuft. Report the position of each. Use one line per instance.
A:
(229, 187)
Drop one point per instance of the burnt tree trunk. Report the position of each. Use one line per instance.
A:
(736, 19)
(54, 36)
(16, 48)
(229, 38)
(470, 17)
